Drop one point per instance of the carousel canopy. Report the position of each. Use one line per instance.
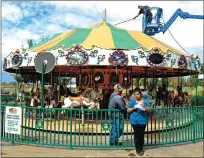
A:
(105, 46)
(106, 36)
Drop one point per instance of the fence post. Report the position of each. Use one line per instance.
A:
(2, 121)
(194, 139)
(12, 141)
(70, 146)
(196, 91)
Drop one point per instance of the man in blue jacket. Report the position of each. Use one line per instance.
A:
(116, 117)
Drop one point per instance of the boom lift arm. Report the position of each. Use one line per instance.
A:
(183, 15)
(156, 27)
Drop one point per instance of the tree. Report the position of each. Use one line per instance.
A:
(192, 81)
(18, 78)
(136, 82)
(12, 83)
(30, 43)
(202, 69)
(192, 78)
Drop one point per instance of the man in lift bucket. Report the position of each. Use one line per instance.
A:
(145, 10)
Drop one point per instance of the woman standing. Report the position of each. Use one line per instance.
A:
(138, 109)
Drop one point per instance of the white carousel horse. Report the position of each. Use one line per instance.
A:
(73, 102)
(89, 99)
(91, 104)
(33, 99)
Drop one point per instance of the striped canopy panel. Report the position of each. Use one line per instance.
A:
(106, 36)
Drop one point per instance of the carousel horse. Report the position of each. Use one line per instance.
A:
(162, 95)
(35, 101)
(51, 105)
(186, 98)
(177, 99)
(71, 102)
(91, 98)
(170, 98)
(88, 99)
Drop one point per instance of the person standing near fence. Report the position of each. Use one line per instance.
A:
(138, 109)
(116, 101)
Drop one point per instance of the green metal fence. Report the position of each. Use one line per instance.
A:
(86, 128)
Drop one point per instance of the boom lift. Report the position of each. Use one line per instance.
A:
(156, 26)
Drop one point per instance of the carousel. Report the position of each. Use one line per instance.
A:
(98, 57)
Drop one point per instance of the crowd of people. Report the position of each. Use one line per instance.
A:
(171, 98)
(167, 98)
(54, 96)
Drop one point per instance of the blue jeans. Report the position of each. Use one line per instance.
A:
(116, 130)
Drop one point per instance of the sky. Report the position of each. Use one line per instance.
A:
(38, 19)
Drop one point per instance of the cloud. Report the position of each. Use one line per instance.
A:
(18, 39)
(185, 31)
(54, 28)
(77, 20)
(11, 13)
(188, 32)
(9, 46)
(24, 20)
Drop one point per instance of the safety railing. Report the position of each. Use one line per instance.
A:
(90, 128)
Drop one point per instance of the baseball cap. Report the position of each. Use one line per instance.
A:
(118, 87)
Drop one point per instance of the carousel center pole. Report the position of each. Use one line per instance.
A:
(104, 15)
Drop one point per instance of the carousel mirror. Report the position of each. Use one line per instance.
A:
(17, 60)
(156, 58)
(98, 77)
(114, 78)
(125, 79)
(84, 79)
(65, 81)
